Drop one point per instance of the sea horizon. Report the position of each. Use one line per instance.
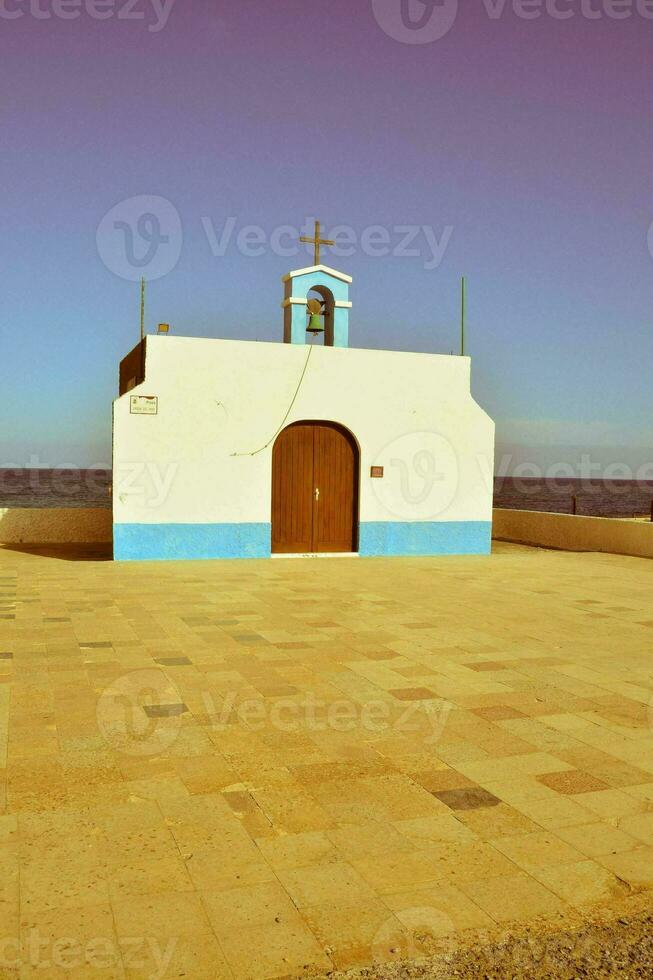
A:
(89, 487)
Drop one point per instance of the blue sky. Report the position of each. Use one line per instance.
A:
(524, 147)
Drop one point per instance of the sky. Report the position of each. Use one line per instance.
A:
(507, 142)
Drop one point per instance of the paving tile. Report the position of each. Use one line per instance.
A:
(205, 774)
(597, 839)
(437, 910)
(75, 941)
(572, 782)
(582, 883)
(368, 837)
(513, 899)
(641, 792)
(558, 811)
(612, 804)
(413, 694)
(444, 779)
(639, 826)
(540, 850)
(390, 872)
(199, 956)
(488, 823)
(470, 861)
(354, 935)
(252, 905)
(147, 877)
(48, 884)
(292, 851)
(178, 914)
(634, 867)
(619, 775)
(261, 931)
(275, 949)
(471, 798)
(498, 712)
(325, 884)
(438, 829)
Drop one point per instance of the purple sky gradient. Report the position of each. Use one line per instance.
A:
(532, 140)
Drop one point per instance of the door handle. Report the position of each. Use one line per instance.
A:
(317, 494)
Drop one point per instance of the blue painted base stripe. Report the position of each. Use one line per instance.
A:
(140, 542)
(425, 538)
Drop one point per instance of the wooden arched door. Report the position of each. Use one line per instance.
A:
(314, 490)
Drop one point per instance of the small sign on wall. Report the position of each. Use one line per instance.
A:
(376, 472)
(143, 405)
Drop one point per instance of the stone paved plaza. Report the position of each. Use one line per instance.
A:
(248, 769)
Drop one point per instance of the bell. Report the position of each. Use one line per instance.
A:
(315, 324)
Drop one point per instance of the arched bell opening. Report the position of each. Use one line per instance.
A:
(320, 321)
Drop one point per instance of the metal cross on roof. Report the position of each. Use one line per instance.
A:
(316, 242)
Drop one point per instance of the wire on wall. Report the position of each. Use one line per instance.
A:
(283, 421)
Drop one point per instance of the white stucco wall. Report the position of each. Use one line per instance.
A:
(220, 400)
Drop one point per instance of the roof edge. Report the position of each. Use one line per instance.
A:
(318, 268)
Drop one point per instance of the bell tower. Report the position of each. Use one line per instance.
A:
(326, 311)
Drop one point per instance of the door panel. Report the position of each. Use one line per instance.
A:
(292, 490)
(336, 478)
(314, 490)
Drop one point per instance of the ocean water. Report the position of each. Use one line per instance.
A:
(55, 488)
(598, 498)
(594, 498)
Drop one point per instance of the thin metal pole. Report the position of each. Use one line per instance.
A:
(142, 343)
(142, 309)
(462, 318)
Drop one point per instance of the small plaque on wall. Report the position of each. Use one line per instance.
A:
(376, 473)
(143, 405)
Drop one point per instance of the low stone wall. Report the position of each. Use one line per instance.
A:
(564, 531)
(571, 533)
(52, 525)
